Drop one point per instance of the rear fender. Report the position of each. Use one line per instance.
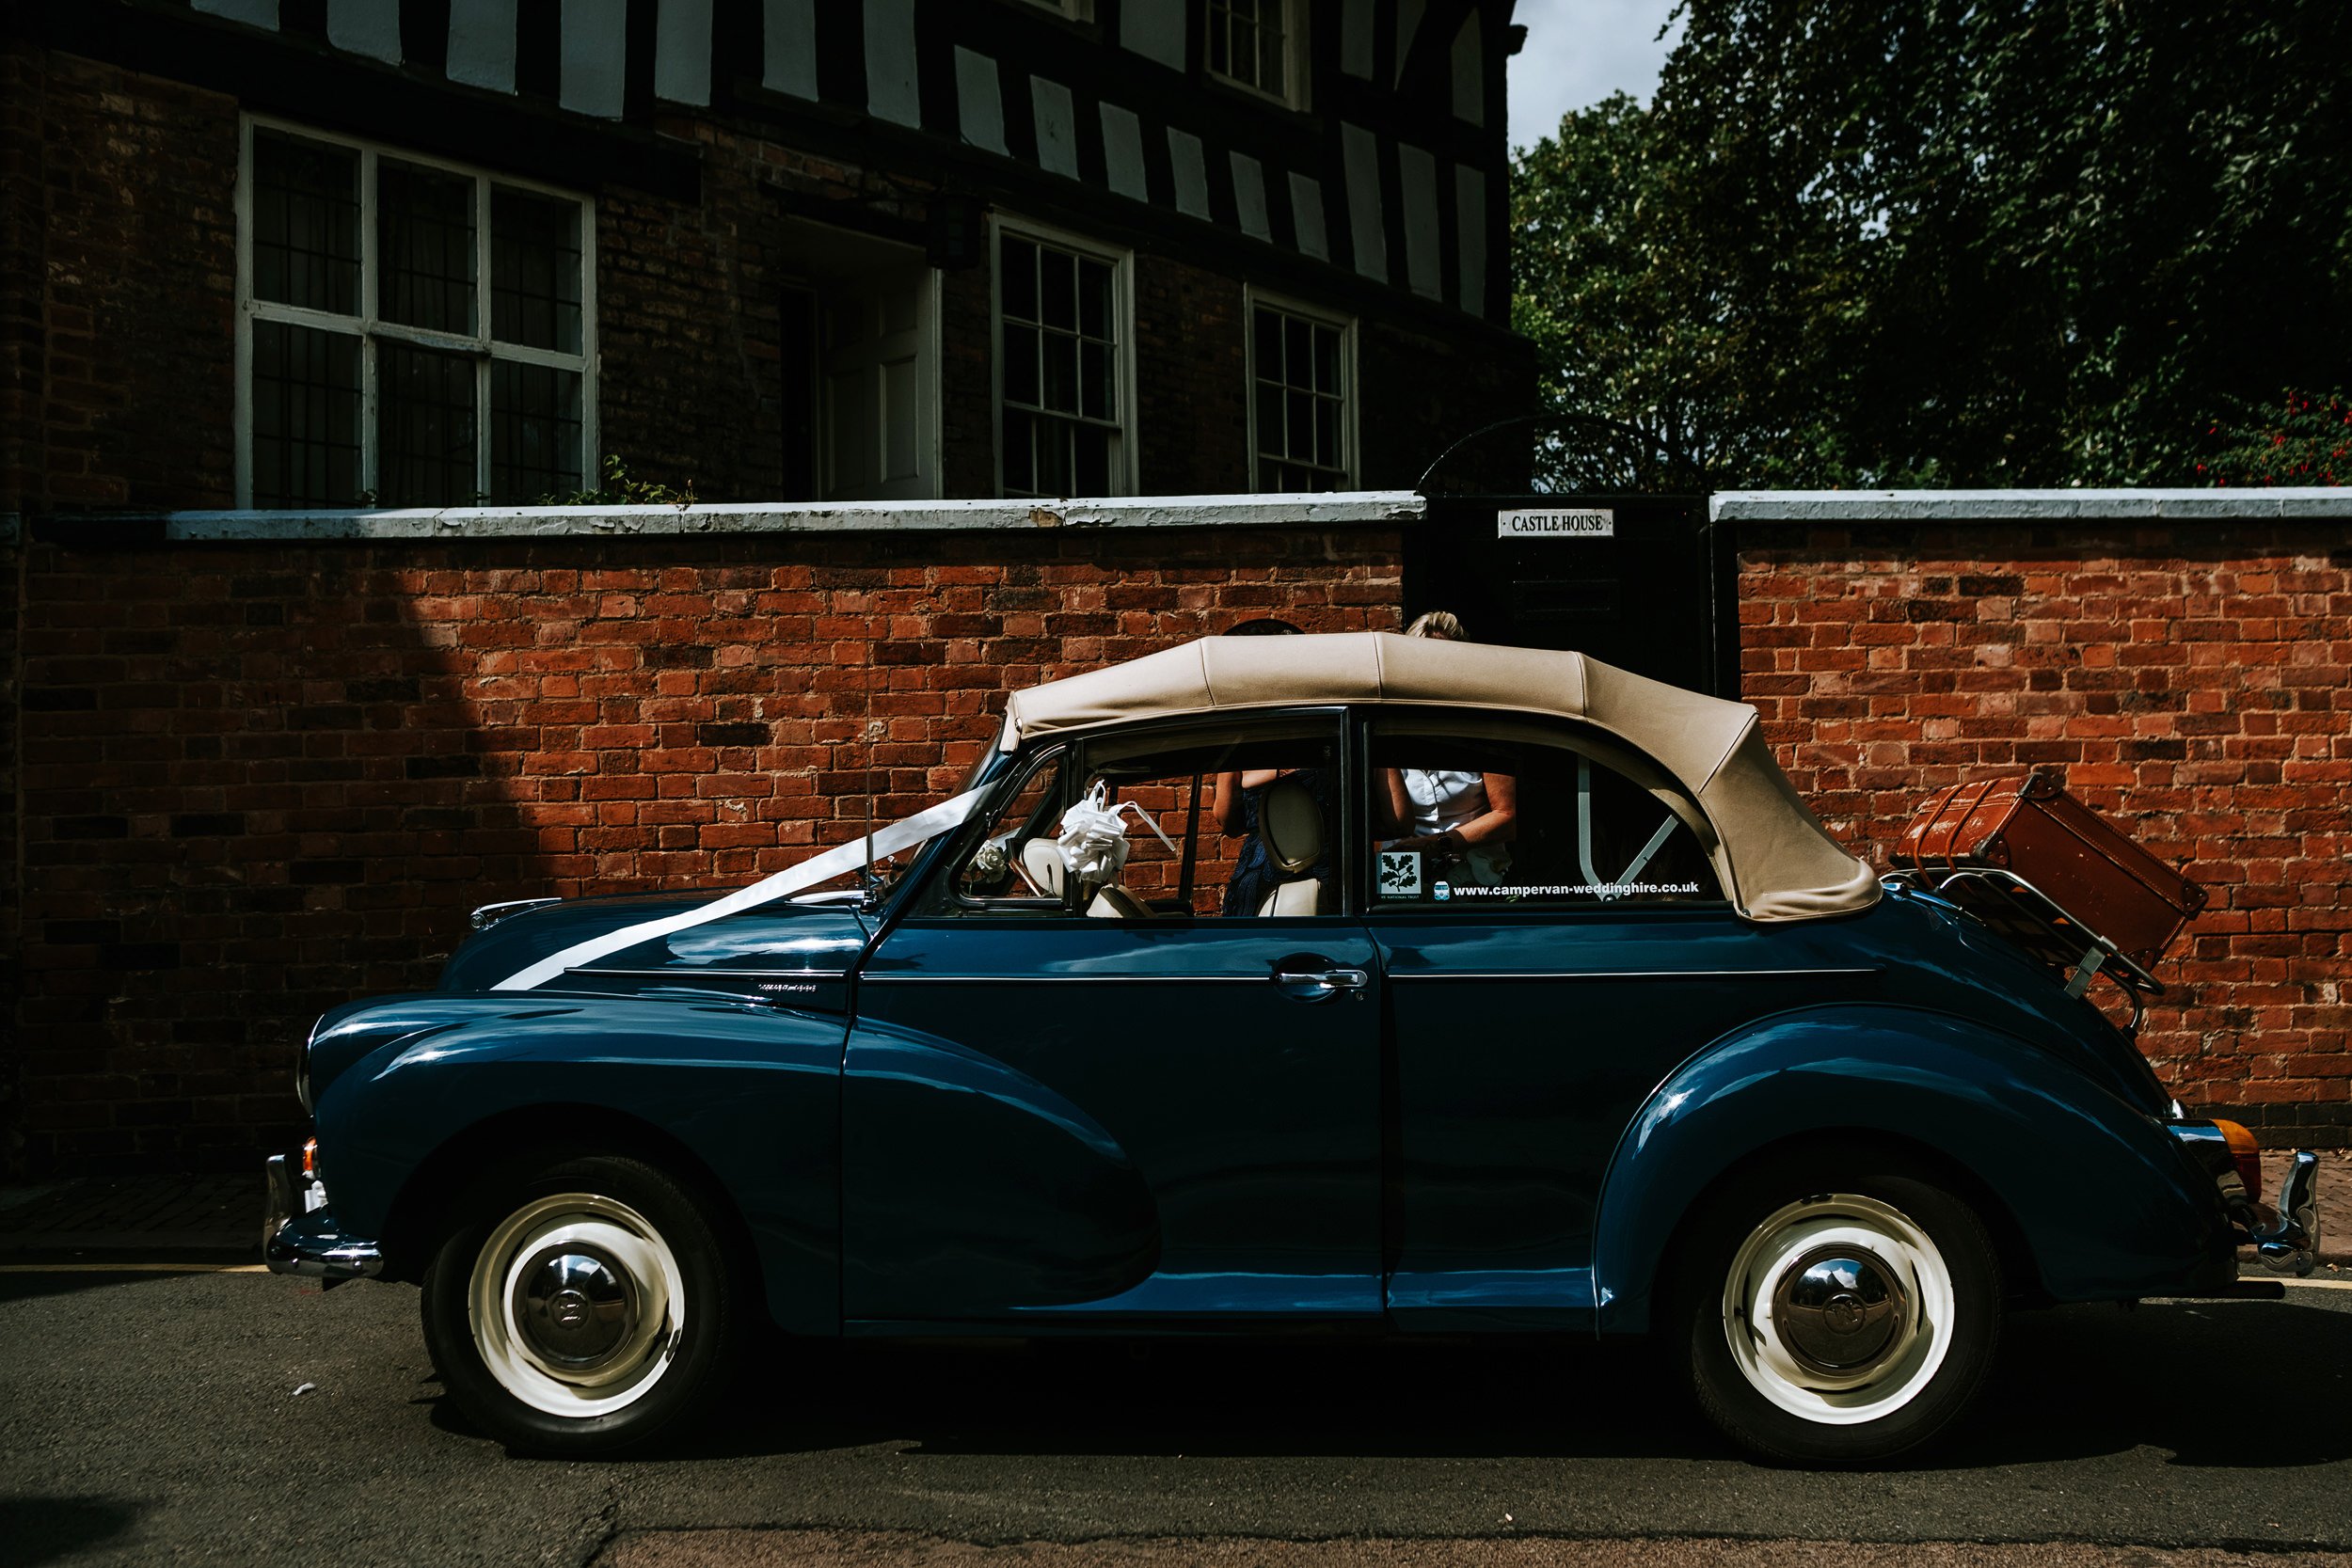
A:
(2099, 1196)
(752, 1092)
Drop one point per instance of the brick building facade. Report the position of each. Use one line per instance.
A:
(254, 768)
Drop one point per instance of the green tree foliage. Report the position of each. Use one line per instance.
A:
(1953, 241)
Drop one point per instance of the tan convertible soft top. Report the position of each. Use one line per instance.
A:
(1776, 859)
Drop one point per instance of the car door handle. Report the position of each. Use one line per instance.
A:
(1314, 984)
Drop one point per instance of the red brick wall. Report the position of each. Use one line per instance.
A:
(262, 779)
(118, 284)
(2193, 682)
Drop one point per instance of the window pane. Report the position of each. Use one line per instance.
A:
(1326, 432)
(1296, 356)
(1094, 298)
(1328, 359)
(1058, 281)
(306, 222)
(1268, 328)
(1020, 463)
(1299, 425)
(1053, 458)
(1094, 381)
(1583, 825)
(1061, 373)
(425, 247)
(534, 271)
(306, 417)
(1020, 364)
(1269, 419)
(424, 429)
(534, 431)
(1017, 277)
(1090, 460)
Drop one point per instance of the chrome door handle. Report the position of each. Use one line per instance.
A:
(1317, 984)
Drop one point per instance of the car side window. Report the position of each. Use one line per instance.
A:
(1472, 815)
(1236, 820)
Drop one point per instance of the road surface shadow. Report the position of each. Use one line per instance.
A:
(2073, 1382)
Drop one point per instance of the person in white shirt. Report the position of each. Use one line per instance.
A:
(1463, 821)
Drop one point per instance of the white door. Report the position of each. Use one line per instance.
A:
(880, 388)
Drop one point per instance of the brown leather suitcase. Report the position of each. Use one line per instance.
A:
(2032, 829)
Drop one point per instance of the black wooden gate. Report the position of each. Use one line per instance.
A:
(1642, 581)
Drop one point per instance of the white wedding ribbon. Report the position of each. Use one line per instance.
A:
(860, 852)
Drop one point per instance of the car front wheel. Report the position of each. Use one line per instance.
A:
(1837, 1319)
(583, 1308)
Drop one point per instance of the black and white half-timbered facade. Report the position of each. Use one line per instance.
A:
(326, 253)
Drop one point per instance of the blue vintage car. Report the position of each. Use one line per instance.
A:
(1266, 985)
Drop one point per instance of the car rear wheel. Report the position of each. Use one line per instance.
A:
(1836, 1317)
(583, 1308)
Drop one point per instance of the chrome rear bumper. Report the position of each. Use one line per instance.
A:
(299, 1234)
(2286, 1239)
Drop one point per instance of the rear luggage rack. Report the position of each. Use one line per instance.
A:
(2006, 903)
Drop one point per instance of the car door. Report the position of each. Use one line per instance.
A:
(1544, 977)
(1066, 1100)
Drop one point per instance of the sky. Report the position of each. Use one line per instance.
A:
(1577, 52)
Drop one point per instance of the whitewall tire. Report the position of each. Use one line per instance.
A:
(584, 1308)
(1828, 1318)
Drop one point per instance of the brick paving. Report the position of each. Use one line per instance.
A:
(178, 1219)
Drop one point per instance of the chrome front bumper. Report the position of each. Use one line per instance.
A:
(299, 1234)
(2286, 1239)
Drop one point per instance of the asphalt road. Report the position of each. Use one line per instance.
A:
(149, 1417)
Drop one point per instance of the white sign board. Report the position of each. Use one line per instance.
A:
(1557, 523)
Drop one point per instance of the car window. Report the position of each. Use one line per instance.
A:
(1474, 813)
(1237, 821)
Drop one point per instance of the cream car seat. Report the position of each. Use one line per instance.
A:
(1290, 825)
(1041, 857)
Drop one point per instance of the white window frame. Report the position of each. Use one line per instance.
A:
(1252, 299)
(1295, 56)
(370, 329)
(1069, 10)
(1124, 469)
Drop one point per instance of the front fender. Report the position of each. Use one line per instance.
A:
(751, 1091)
(2096, 1190)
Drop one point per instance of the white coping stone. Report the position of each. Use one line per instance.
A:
(253, 13)
(1056, 121)
(789, 48)
(1249, 195)
(2005, 506)
(594, 57)
(369, 28)
(681, 51)
(1154, 29)
(979, 100)
(1190, 167)
(891, 91)
(1337, 509)
(1307, 216)
(481, 43)
(1361, 155)
(1416, 187)
(1469, 234)
(1122, 153)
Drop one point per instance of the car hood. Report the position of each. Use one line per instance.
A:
(786, 939)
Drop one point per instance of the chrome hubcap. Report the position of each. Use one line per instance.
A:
(1840, 1309)
(575, 1306)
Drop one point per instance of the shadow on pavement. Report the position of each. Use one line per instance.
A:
(47, 1529)
(67, 1279)
(2073, 1382)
